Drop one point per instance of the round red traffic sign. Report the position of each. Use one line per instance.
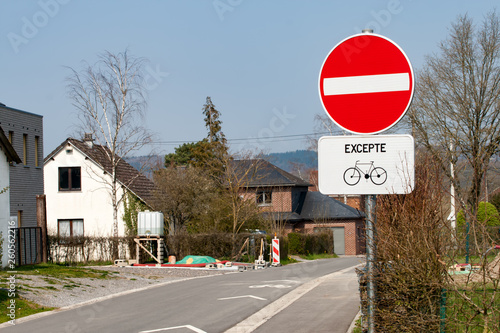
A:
(366, 83)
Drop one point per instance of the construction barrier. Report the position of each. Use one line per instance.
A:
(276, 251)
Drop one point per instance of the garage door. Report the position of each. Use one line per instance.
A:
(338, 240)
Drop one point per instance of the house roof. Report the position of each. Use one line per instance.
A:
(3, 106)
(283, 216)
(8, 149)
(318, 206)
(126, 174)
(264, 174)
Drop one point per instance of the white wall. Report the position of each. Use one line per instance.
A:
(4, 206)
(92, 203)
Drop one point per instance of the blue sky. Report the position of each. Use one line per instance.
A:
(258, 60)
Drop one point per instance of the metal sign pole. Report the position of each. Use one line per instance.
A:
(371, 219)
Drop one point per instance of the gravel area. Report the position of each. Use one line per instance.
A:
(60, 292)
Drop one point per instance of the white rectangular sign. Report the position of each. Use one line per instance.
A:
(366, 164)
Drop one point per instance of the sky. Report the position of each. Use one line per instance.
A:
(258, 60)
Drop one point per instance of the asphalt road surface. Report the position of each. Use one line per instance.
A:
(221, 303)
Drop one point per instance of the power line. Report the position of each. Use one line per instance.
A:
(279, 138)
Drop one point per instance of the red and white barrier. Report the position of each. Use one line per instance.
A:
(276, 251)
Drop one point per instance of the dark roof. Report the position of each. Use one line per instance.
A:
(137, 183)
(264, 174)
(9, 150)
(2, 105)
(318, 206)
(283, 216)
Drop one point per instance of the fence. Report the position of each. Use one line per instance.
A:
(28, 245)
(89, 248)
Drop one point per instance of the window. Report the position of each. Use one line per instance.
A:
(264, 198)
(25, 149)
(70, 179)
(37, 143)
(70, 228)
(11, 137)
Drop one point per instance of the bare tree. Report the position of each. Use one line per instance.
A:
(237, 177)
(457, 102)
(183, 194)
(455, 116)
(110, 99)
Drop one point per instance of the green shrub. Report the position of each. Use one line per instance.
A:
(305, 244)
(487, 214)
(295, 243)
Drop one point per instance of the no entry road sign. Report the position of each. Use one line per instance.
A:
(366, 164)
(366, 83)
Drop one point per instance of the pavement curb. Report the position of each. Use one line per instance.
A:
(353, 324)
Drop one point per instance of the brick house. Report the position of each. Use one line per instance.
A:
(355, 201)
(288, 202)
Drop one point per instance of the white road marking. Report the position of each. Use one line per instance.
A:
(260, 317)
(279, 286)
(366, 84)
(192, 328)
(244, 296)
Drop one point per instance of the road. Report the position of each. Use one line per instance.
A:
(210, 304)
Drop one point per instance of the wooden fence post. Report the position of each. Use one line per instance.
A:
(41, 219)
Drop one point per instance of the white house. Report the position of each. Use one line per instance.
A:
(78, 194)
(7, 156)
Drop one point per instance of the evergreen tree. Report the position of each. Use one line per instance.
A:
(208, 153)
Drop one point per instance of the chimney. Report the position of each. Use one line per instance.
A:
(88, 140)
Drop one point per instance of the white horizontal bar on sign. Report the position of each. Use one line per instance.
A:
(366, 84)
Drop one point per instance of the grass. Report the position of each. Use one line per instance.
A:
(52, 274)
(357, 328)
(288, 261)
(59, 271)
(318, 256)
(474, 260)
(462, 316)
(23, 307)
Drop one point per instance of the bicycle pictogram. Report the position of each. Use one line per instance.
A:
(377, 175)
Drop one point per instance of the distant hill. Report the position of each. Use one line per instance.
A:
(294, 161)
(297, 162)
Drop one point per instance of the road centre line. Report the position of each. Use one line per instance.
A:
(243, 296)
(192, 328)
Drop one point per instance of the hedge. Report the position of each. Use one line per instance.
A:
(89, 248)
(217, 245)
(305, 244)
(222, 245)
